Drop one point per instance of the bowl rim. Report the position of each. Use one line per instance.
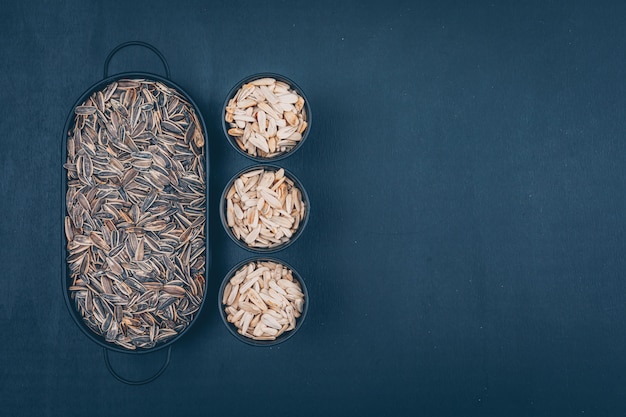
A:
(279, 77)
(231, 327)
(301, 226)
(65, 276)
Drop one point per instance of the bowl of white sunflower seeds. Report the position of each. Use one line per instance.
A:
(266, 117)
(264, 208)
(263, 301)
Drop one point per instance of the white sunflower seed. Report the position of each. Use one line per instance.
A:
(254, 302)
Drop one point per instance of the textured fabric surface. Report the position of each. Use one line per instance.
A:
(465, 253)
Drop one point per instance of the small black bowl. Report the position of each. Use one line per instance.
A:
(296, 234)
(278, 77)
(231, 327)
(66, 276)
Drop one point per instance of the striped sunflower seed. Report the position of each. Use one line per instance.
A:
(135, 221)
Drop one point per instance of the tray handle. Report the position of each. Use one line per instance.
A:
(136, 43)
(141, 381)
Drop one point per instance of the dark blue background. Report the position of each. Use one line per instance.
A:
(465, 253)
